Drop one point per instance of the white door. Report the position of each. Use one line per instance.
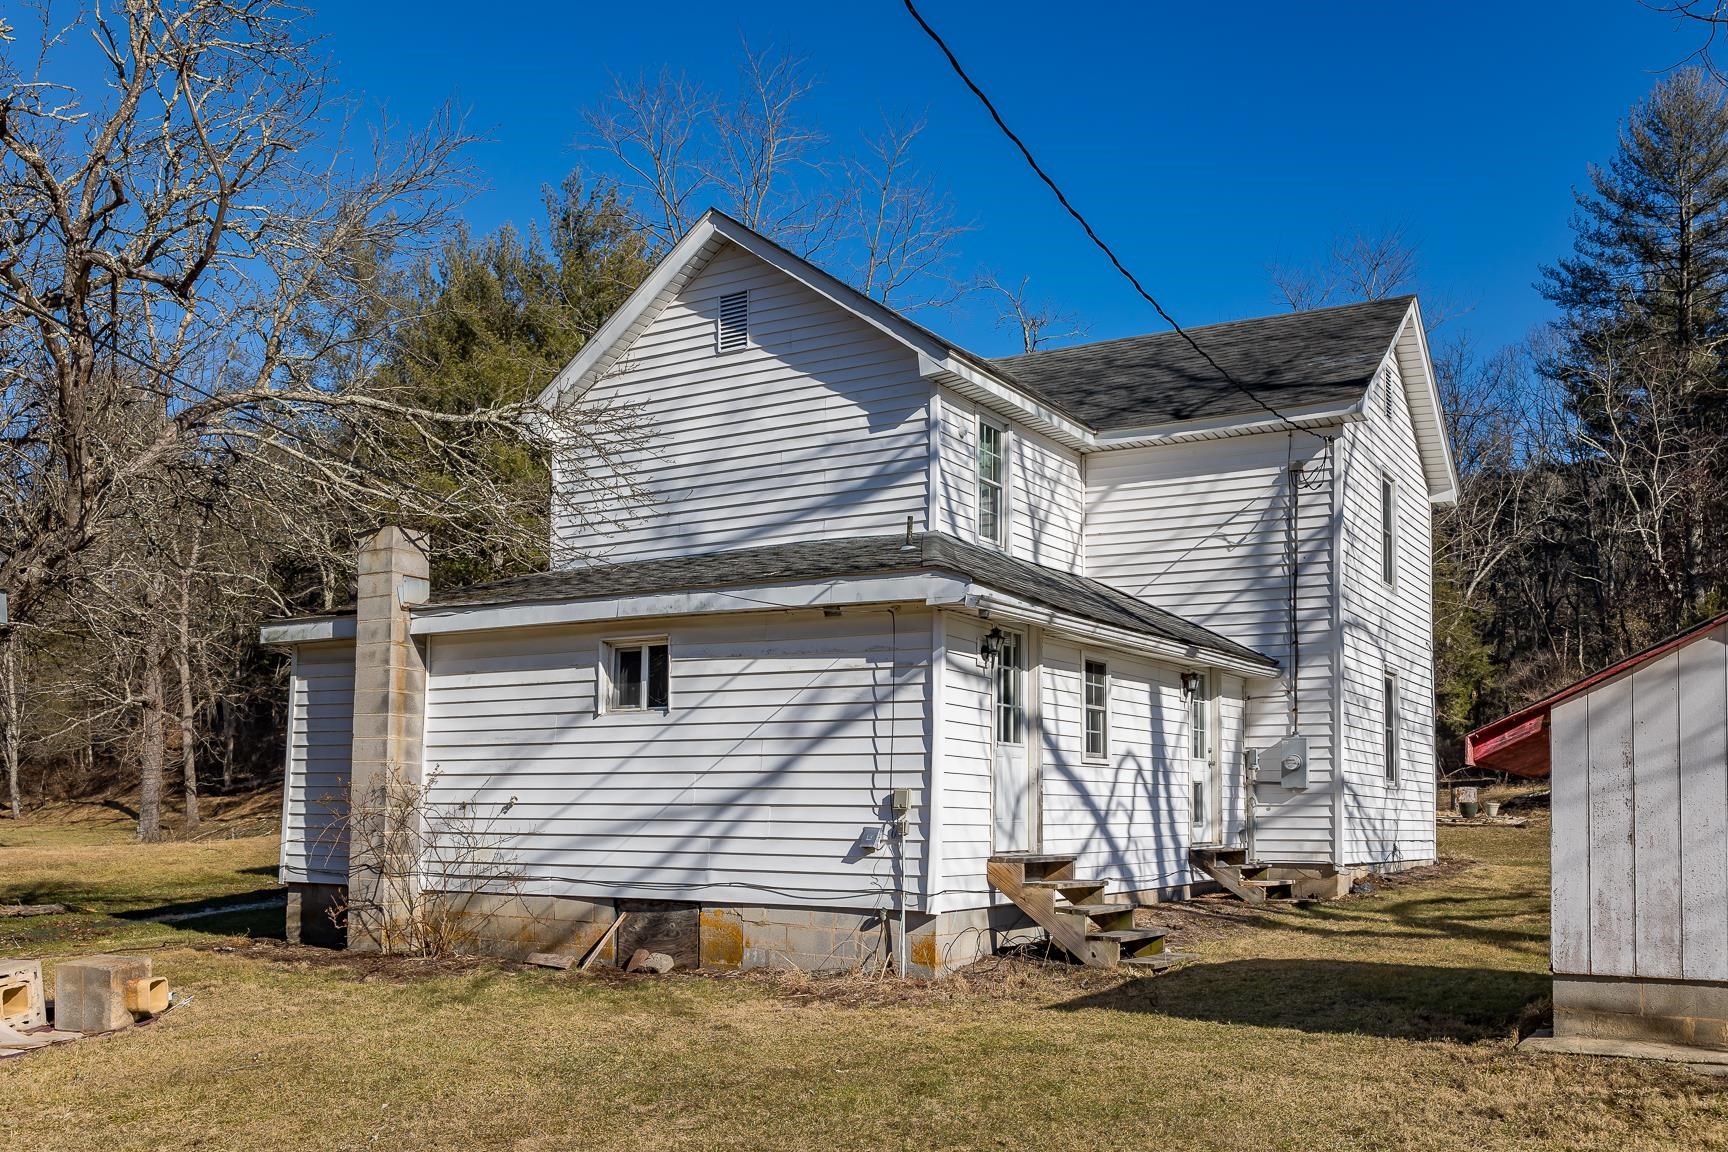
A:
(1013, 790)
(1206, 782)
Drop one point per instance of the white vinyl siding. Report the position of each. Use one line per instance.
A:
(816, 429)
(1387, 630)
(1640, 822)
(1045, 496)
(316, 782)
(1126, 815)
(1201, 530)
(787, 733)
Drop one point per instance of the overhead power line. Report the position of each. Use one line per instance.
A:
(1091, 234)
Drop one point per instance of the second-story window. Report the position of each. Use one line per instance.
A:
(1388, 530)
(992, 508)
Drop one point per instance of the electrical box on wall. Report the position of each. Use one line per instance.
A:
(1284, 763)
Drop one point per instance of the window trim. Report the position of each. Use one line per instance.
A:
(1087, 708)
(1391, 725)
(1388, 530)
(1003, 485)
(606, 667)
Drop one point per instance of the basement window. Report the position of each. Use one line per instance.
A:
(732, 325)
(1097, 677)
(641, 675)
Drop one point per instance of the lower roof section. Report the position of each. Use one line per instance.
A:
(930, 568)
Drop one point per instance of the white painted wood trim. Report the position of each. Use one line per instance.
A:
(1079, 630)
(935, 879)
(288, 766)
(1314, 418)
(1436, 451)
(919, 588)
(1340, 470)
(308, 630)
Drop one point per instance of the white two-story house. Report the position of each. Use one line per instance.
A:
(907, 648)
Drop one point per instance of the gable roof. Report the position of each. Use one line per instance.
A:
(805, 560)
(1293, 360)
(1313, 367)
(1518, 742)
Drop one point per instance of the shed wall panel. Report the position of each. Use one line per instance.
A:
(1612, 927)
(1703, 806)
(1570, 866)
(1656, 874)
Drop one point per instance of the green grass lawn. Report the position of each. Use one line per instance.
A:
(1384, 1021)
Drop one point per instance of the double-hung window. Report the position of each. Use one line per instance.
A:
(1097, 688)
(992, 505)
(1388, 530)
(641, 672)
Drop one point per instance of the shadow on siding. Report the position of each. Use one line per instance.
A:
(1400, 1001)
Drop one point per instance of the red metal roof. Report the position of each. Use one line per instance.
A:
(1518, 743)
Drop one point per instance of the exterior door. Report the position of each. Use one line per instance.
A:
(1013, 785)
(1206, 781)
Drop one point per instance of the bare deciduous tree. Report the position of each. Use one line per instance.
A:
(196, 283)
(1361, 267)
(1037, 324)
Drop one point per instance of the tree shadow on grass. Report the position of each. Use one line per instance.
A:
(1400, 1001)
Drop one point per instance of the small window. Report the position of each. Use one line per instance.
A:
(1097, 677)
(991, 513)
(641, 677)
(1390, 724)
(1199, 804)
(732, 328)
(1009, 682)
(1388, 530)
(1200, 717)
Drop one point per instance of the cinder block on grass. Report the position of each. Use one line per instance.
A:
(21, 1001)
(91, 993)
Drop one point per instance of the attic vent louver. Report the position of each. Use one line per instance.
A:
(732, 329)
(1390, 397)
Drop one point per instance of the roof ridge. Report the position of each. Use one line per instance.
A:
(1404, 297)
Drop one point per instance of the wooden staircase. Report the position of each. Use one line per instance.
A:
(1251, 883)
(1099, 933)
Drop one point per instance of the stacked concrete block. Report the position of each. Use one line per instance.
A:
(96, 994)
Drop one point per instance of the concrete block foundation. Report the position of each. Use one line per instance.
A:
(315, 915)
(737, 936)
(1688, 1012)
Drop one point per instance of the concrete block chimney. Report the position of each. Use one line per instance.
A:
(389, 720)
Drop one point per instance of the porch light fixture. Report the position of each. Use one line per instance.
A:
(990, 650)
(1190, 684)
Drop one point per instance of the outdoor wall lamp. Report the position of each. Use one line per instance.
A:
(990, 649)
(1190, 684)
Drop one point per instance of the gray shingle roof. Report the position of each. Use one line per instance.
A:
(1290, 361)
(853, 556)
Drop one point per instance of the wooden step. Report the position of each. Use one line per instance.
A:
(1157, 962)
(1098, 909)
(1133, 941)
(1221, 853)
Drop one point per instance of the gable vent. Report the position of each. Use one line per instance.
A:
(1388, 394)
(732, 330)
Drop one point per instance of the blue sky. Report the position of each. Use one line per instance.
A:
(1204, 142)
